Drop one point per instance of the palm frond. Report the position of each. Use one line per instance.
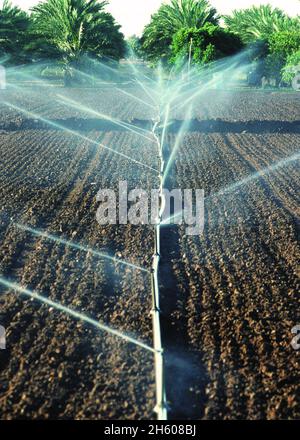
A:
(259, 22)
(70, 29)
(170, 18)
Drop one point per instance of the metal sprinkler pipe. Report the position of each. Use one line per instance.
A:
(161, 401)
(161, 407)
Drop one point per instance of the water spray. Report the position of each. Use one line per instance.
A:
(67, 130)
(80, 247)
(158, 133)
(76, 105)
(77, 315)
(242, 182)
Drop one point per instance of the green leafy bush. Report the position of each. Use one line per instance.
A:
(282, 46)
(284, 43)
(170, 18)
(207, 44)
(292, 67)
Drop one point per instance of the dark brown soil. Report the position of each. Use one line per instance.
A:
(228, 297)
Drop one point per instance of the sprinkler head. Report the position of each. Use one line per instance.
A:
(155, 310)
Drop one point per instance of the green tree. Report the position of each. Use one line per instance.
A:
(259, 22)
(205, 45)
(292, 67)
(282, 46)
(14, 24)
(284, 43)
(169, 19)
(73, 31)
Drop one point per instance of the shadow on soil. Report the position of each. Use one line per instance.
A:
(185, 374)
(195, 125)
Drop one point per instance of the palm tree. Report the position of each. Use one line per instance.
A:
(14, 24)
(187, 14)
(259, 22)
(169, 19)
(75, 30)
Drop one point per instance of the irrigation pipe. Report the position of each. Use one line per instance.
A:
(161, 407)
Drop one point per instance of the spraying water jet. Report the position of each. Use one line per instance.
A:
(67, 130)
(80, 247)
(77, 315)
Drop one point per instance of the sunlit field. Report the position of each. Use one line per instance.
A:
(131, 320)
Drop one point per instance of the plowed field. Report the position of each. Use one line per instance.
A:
(229, 297)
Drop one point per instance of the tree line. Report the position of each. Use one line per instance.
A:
(74, 33)
(70, 32)
(192, 30)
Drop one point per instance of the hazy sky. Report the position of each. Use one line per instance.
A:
(134, 14)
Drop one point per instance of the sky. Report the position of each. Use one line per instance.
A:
(133, 15)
